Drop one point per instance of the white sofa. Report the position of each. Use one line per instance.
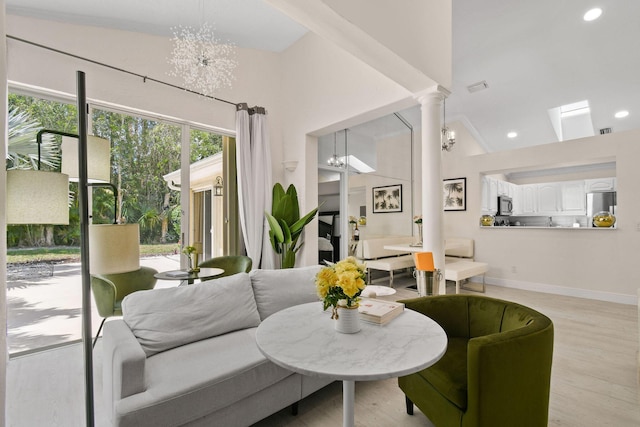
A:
(372, 252)
(188, 356)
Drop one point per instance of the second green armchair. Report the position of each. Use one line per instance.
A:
(231, 264)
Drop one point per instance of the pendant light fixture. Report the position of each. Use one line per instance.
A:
(334, 160)
(203, 62)
(448, 136)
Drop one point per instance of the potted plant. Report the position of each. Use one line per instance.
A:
(339, 286)
(286, 225)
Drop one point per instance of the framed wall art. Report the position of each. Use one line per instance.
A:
(387, 199)
(455, 194)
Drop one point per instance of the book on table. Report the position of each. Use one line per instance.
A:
(379, 311)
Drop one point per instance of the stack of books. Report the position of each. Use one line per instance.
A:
(379, 311)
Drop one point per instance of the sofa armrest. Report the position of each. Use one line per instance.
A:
(123, 365)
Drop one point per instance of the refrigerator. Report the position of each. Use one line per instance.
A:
(601, 201)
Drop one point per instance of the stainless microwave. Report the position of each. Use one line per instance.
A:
(505, 205)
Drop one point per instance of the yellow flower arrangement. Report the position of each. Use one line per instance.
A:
(341, 284)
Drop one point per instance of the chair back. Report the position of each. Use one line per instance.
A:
(110, 289)
(424, 261)
(231, 264)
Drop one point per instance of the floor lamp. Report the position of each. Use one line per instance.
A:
(116, 246)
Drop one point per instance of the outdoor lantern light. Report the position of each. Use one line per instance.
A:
(217, 188)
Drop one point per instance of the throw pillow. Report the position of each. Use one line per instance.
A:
(162, 319)
(278, 289)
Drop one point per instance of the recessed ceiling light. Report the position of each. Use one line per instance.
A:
(592, 14)
(512, 134)
(621, 114)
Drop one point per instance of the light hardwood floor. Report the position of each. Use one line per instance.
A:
(594, 375)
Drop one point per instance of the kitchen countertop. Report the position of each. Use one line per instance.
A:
(502, 227)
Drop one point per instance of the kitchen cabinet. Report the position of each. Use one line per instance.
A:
(489, 195)
(529, 196)
(600, 184)
(573, 198)
(549, 198)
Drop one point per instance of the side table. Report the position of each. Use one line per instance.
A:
(303, 339)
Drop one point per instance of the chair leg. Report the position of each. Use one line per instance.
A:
(95, 340)
(409, 405)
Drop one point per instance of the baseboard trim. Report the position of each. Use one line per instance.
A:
(562, 290)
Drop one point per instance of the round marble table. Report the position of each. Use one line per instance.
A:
(303, 339)
(190, 277)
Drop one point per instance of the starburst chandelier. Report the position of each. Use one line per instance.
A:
(203, 63)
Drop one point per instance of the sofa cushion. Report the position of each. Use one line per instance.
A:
(162, 319)
(278, 289)
(228, 368)
(449, 374)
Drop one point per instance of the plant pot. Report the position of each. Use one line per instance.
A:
(347, 319)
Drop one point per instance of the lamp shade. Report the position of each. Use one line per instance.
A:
(37, 197)
(98, 158)
(114, 248)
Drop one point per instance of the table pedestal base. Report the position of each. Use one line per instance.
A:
(348, 403)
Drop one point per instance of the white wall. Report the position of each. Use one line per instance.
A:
(600, 264)
(257, 75)
(324, 86)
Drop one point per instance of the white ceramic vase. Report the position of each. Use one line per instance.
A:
(348, 320)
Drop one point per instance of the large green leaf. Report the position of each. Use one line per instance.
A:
(276, 230)
(297, 227)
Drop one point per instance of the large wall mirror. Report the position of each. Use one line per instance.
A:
(370, 168)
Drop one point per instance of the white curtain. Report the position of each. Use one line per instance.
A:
(253, 158)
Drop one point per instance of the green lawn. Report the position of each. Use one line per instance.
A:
(71, 254)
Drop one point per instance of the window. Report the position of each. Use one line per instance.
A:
(43, 269)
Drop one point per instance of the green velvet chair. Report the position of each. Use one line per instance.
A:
(496, 370)
(231, 264)
(110, 289)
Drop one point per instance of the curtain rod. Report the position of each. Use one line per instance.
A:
(144, 78)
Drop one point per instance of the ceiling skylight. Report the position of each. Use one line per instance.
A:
(571, 121)
(575, 109)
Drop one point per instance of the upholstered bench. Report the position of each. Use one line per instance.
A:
(459, 264)
(460, 270)
(371, 251)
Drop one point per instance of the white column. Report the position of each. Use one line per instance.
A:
(432, 194)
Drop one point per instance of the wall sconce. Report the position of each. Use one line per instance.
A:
(290, 165)
(218, 186)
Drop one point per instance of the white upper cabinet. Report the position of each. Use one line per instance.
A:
(600, 184)
(489, 195)
(574, 198)
(549, 198)
(529, 199)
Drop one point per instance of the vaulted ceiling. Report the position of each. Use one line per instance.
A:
(535, 56)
